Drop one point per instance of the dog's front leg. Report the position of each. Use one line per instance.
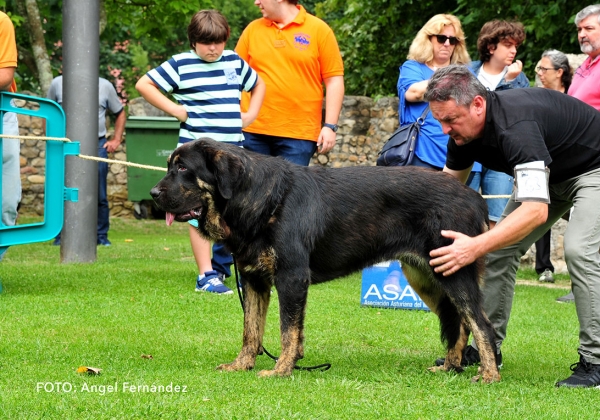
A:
(292, 305)
(255, 315)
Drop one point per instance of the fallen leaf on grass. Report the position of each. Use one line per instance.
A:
(128, 240)
(166, 249)
(88, 370)
(147, 356)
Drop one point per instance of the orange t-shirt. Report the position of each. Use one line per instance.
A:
(293, 62)
(8, 46)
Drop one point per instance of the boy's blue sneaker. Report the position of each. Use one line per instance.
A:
(210, 282)
(103, 240)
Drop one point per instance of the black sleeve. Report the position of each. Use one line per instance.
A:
(459, 157)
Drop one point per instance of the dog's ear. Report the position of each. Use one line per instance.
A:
(227, 167)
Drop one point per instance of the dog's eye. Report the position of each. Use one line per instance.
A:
(181, 168)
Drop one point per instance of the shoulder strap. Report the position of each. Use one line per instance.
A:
(421, 119)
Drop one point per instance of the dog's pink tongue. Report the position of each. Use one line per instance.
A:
(169, 218)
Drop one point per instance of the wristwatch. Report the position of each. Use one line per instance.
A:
(334, 127)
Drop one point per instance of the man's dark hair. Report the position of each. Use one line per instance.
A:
(494, 32)
(456, 82)
(208, 27)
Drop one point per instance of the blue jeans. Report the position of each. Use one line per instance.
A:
(292, 150)
(492, 183)
(11, 173)
(103, 211)
(221, 259)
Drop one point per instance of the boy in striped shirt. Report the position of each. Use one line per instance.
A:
(207, 83)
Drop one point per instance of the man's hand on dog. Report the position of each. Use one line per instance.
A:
(449, 259)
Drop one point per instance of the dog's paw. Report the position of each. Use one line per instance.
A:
(444, 368)
(272, 373)
(486, 379)
(233, 367)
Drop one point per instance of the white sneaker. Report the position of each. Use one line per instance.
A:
(547, 276)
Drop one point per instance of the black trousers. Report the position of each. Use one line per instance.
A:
(542, 254)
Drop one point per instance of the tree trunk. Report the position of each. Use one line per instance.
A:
(38, 45)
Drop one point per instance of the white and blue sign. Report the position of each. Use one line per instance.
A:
(385, 286)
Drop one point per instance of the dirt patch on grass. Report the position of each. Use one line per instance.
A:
(561, 285)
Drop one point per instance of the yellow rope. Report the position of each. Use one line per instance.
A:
(135, 165)
(10, 136)
(86, 157)
(121, 162)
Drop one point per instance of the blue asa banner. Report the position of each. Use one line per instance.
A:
(385, 286)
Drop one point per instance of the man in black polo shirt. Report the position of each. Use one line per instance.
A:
(551, 143)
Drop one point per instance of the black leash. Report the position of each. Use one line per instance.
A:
(238, 282)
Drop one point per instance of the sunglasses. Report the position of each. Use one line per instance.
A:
(443, 38)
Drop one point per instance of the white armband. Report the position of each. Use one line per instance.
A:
(531, 182)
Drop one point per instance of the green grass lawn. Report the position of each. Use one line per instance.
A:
(138, 299)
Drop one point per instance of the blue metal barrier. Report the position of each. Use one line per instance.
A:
(55, 192)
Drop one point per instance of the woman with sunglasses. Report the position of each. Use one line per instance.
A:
(439, 43)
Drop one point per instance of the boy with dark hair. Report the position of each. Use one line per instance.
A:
(497, 69)
(207, 82)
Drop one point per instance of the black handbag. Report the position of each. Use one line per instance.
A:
(399, 150)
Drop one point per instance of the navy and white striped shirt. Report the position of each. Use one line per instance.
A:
(209, 91)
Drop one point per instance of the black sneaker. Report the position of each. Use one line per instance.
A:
(471, 357)
(568, 298)
(585, 375)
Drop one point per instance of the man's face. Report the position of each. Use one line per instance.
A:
(268, 8)
(463, 123)
(588, 34)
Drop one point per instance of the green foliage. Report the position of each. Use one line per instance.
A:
(155, 19)
(375, 36)
(239, 14)
(139, 35)
(548, 25)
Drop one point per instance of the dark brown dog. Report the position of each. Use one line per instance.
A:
(290, 226)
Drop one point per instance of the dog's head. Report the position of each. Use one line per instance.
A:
(201, 176)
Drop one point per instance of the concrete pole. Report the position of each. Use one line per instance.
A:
(81, 52)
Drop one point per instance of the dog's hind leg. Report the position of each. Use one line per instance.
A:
(454, 333)
(485, 339)
(256, 304)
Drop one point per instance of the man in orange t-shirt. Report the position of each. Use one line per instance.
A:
(11, 177)
(295, 53)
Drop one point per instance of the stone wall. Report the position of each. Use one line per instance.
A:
(33, 163)
(365, 124)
